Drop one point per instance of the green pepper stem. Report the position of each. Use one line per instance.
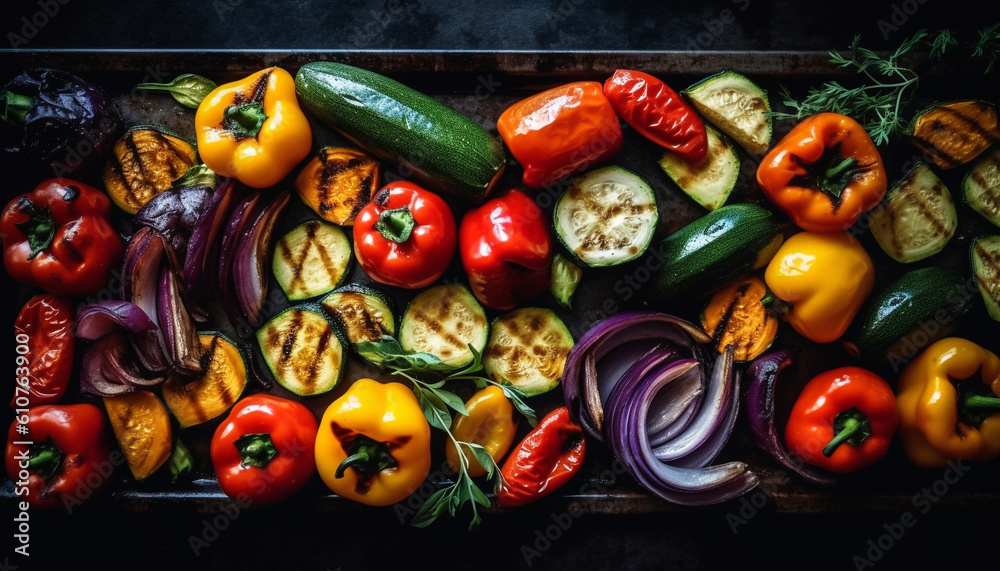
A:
(367, 457)
(15, 107)
(396, 224)
(244, 120)
(980, 401)
(256, 449)
(834, 179)
(850, 426)
(45, 459)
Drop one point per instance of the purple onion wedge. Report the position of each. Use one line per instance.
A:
(95, 320)
(760, 406)
(250, 259)
(177, 325)
(202, 256)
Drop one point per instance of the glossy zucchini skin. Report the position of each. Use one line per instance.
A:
(713, 250)
(911, 312)
(429, 141)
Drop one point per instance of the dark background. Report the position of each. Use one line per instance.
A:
(293, 537)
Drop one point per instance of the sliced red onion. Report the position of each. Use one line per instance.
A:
(93, 379)
(581, 389)
(95, 320)
(675, 406)
(760, 396)
(717, 403)
(141, 272)
(705, 452)
(177, 325)
(202, 256)
(250, 259)
(121, 365)
(241, 214)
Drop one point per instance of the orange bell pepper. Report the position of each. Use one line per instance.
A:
(824, 173)
(561, 131)
(253, 129)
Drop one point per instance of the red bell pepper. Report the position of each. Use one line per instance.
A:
(44, 326)
(561, 131)
(69, 458)
(547, 458)
(58, 237)
(405, 236)
(657, 113)
(265, 449)
(843, 420)
(506, 250)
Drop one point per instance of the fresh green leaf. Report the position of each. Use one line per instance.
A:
(434, 410)
(431, 509)
(188, 89)
(198, 175)
(482, 456)
(181, 462)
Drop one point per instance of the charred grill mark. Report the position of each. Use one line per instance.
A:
(205, 362)
(259, 88)
(296, 260)
(315, 364)
(991, 192)
(992, 262)
(435, 326)
(290, 336)
(949, 132)
(176, 154)
(137, 165)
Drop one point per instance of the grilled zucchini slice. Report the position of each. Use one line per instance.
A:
(145, 162)
(303, 350)
(736, 106)
(338, 182)
(363, 314)
(606, 217)
(527, 349)
(710, 182)
(986, 268)
(444, 320)
(981, 187)
(917, 217)
(311, 259)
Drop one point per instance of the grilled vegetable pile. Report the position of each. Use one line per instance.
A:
(327, 281)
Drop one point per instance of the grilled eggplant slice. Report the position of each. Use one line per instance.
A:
(311, 259)
(444, 320)
(145, 162)
(338, 182)
(303, 350)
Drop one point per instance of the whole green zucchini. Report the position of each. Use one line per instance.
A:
(429, 142)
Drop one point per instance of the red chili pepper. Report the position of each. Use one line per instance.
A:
(405, 236)
(658, 113)
(68, 460)
(44, 327)
(506, 250)
(843, 420)
(561, 131)
(265, 450)
(58, 237)
(547, 458)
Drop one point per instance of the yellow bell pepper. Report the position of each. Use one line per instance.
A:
(373, 444)
(826, 277)
(491, 423)
(948, 404)
(253, 129)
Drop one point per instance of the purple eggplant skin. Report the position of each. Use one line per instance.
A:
(57, 124)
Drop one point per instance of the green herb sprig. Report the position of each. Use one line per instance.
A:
(880, 101)
(428, 375)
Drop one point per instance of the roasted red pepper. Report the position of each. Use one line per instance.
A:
(506, 250)
(265, 450)
(561, 131)
(824, 173)
(547, 458)
(843, 420)
(405, 236)
(44, 326)
(658, 113)
(58, 237)
(63, 459)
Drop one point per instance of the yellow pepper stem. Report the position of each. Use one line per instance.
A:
(244, 120)
(367, 457)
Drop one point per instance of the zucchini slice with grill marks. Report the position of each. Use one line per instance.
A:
(527, 349)
(145, 162)
(606, 217)
(338, 182)
(981, 187)
(303, 350)
(444, 320)
(986, 268)
(208, 395)
(736, 106)
(710, 182)
(917, 217)
(363, 314)
(311, 259)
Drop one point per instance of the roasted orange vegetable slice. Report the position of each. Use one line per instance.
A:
(204, 397)
(954, 133)
(338, 182)
(143, 163)
(738, 315)
(142, 426)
